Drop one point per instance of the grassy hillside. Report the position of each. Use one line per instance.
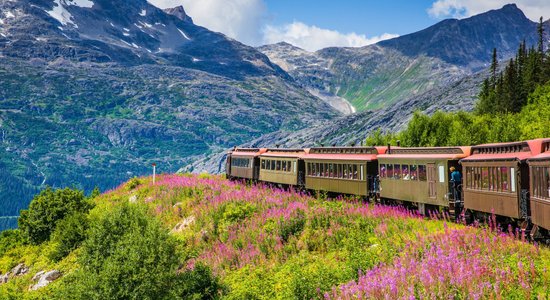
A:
(215, 238)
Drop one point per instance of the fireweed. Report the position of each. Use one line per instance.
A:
(266, 242)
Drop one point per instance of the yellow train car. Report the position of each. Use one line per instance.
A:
(345, 170)
(419, 175)
(244, 163)
(282, 166)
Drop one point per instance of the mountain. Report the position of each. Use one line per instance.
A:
(353, 129)
(439, 68)
(93, 92)
(380, 75)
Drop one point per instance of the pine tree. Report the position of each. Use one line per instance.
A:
(494, 66)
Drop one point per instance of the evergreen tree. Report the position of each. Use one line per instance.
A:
(494, 66)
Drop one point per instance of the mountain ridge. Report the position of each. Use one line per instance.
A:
(80, 107)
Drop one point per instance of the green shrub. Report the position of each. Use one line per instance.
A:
(69, 235)
(292, 227)
(199, 283)
(128, 255)
(133, 183)
(10, 239)
(47, 208)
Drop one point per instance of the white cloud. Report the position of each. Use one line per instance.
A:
(238, 19)
(313, 38)
(533, 9)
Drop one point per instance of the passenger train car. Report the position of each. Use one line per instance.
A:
(344, 170)
(419, 175)
(510, 180)
(539, 174)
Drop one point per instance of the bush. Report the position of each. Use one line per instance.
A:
(69, 235)
(199, 283)
(133, 183)
(10, 239)
(47, 208)
(127, 255)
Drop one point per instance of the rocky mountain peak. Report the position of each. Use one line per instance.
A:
(469, 42)
(179, 12)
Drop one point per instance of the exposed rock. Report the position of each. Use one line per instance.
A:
(5, 278)
(19, 270)
(179, 12)
(44, 279)
(186, 223)
(38, 275)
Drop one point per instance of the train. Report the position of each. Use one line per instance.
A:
(510, 181)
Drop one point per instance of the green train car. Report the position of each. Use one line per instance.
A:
(282, 166)
(344, 170)
(419, 176)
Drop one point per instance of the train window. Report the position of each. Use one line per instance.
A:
(405, 172)
(294, 165)
(414, 172)
(350, 171)
(344, 171)
(422, 173)
(504, 179)
(354, 172)
(330, 170)
(546, 181)
(317, 169)
(362, 174)
(272, 165)
(283, 166)
(390, 171)
(263, 164)
(278, 165)
(382, 170)
(513, 179)
(397, 172)
(326, 170)
(484, 178)
(441, 173)
(339, 170)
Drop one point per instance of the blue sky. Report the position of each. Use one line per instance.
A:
(368, 17)
(316, 24)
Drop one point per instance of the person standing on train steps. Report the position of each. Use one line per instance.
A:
(456, 180)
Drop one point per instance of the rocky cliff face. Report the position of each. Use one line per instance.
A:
(93, 92)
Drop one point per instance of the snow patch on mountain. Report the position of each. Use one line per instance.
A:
(81, 3)
(61, 14)
(183, 33)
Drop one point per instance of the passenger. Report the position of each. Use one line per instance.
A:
(456, 181)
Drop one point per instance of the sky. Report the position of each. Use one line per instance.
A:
(317, 24)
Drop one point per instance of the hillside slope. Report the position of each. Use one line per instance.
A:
(219, 239)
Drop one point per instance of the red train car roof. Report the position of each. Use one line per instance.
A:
(450, 153)
(345, 153)
(248, 152)
(507, 151)
(290, 153)
(545, 155)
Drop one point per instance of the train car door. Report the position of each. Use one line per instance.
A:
(432, 186)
